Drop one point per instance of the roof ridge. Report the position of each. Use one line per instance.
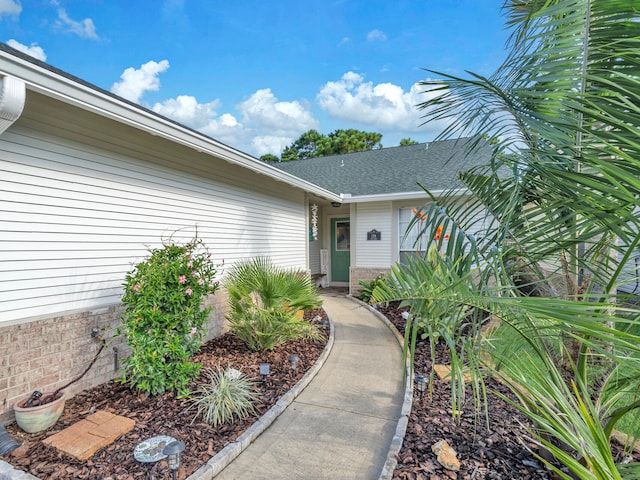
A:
(412, 146)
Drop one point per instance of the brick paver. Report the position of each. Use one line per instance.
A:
(444, 373)
(84, 438)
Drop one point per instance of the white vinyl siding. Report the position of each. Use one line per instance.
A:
(373, 216)
(77, 210)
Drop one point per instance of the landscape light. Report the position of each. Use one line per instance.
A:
(421, 383)
(173, 451)
(293, 361)
(264, 371)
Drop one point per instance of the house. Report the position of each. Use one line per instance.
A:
(89, 182)
(364, 235)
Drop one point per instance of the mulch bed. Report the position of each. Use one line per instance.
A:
(164, 415)
(501, 451)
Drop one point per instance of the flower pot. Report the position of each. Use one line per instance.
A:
(41, 417)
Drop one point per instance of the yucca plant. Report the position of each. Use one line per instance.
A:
(228, 394)
(265, 302)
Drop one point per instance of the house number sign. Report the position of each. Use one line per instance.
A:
(373, 235)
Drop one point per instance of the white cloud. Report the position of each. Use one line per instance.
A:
(135, 82)
(350, 98)
(264, 144)
(268, 125)
(186, 109)
(374, 35)
(280, 118)
(34, 50)
(203, 117)
(84, 28)
(9, 7)
(344, 41)
(385, 106)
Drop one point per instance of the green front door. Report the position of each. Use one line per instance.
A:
(340, 249)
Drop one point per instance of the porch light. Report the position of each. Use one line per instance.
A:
(421, 383)
(293, 361)
(336, 204)
(173, 452)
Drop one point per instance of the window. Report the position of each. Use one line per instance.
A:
(408, 245)
(343, 236)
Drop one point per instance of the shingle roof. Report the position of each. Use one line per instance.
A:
(391, 170)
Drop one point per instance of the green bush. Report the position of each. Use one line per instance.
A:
(163, 320)
(228, 393)
(368, 287)
(266, 304)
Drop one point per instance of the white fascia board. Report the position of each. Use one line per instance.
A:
(384, 197)
(66, 90)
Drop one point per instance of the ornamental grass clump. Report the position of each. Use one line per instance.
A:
(164, 319)
(227, 394)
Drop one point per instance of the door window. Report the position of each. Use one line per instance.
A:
(343, 237)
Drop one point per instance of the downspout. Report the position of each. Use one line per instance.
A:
(12, 98)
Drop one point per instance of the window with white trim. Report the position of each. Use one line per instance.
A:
(408, 245)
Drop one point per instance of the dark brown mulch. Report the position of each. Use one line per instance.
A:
(502, 451)
(163, 415)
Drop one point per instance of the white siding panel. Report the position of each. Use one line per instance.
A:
(75, 216)
(374, 253)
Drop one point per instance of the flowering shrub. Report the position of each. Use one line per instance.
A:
(163, 319)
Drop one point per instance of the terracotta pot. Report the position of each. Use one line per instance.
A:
(36, 419)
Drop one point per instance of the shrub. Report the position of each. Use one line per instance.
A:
(368, 287)
(265, 302)
(228, 393)
(163, 319)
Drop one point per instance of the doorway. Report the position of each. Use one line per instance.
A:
(340, 249)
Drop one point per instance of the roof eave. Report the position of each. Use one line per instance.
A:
(384, 197)
(66, 90)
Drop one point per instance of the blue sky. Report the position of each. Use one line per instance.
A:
(257, 74)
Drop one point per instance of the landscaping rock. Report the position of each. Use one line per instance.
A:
(446, 455)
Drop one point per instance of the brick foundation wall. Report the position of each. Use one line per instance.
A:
(48, 353)
(367, 274)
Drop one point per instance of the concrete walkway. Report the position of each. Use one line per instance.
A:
(342, 425)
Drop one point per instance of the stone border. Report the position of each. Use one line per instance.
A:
(225, 456)
(401, 427)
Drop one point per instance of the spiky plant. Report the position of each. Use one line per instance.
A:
(228, 394)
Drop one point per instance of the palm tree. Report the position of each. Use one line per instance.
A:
(267, 303)
(560, 205)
